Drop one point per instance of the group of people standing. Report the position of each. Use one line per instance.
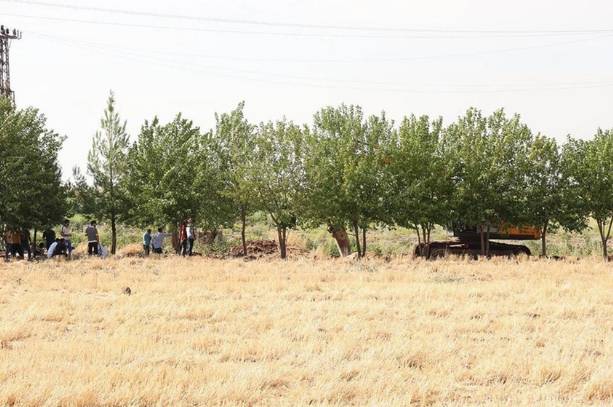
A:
(62, 245)
(17, 242)
(186, 237)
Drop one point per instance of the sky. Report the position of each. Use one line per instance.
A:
(550, 61)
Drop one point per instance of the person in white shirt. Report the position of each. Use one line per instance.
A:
(66, 233)
(157, 242)
(191, 236)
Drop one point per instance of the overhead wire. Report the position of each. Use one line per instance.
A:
(309, 25)
(300, 80)
(376, 59)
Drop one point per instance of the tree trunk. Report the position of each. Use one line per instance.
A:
(342, 240)
(364, 242)
(426, 240)
(487, 241)
(209, 236)
(282, 233)
(482, 240)
(356, 229)
(544, 239)
(604, 237)
(421, 251)
(113, 234)
(243, 226)
(175, 242)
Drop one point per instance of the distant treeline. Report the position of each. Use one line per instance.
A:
(343, 170)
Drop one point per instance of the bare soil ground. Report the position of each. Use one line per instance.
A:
(330, 332)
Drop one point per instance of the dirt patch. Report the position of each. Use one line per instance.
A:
(257, 249)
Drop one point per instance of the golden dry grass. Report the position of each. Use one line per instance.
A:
(209, 332)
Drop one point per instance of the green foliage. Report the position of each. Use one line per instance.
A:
(344, 177)
(277, 176)
(489, 167)
(107, 163)
(589, 168)
(234, 139)
(550, 203)
(277, 173)
(81, 198)
(162, 163)
(419, 176)
(30, 178)
(346, 172)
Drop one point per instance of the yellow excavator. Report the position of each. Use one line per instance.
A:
(468, 242)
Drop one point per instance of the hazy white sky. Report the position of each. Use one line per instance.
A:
(549, 60)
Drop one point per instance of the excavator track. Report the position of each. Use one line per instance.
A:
(469, 249)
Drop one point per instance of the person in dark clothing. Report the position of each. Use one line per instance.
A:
(15, 243)
(25, 242)
(49, 236)
(92, 238)
(147, 242)
(8, 238)
(57, 248)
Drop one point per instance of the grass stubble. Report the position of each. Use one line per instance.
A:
(298, 332)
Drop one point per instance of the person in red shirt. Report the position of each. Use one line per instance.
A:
(183, 238)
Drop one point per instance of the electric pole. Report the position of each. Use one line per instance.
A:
(6, 36)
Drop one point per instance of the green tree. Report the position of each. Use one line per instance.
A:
(234, 137)
(489, 155)
(277, 175)
(162, 163)
(344, 172)
(216, 208)
(107, 164)
(420, 178)
(589, 168)
(80, 195)
(31, 191)
(550, 203)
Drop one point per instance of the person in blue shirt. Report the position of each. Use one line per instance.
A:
(147, 242)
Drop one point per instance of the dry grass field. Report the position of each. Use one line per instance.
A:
(331, 332)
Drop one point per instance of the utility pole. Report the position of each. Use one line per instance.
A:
(6, 36)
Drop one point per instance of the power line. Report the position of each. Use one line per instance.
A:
(320, 83)
(268, 33)
(344, 60)
(312, 26)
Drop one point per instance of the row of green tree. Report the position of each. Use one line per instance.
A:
(345, 171)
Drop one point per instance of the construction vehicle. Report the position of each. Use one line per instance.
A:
(468, 240)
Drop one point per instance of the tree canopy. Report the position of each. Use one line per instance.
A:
(31, 188)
